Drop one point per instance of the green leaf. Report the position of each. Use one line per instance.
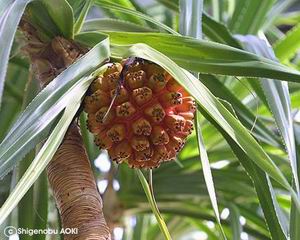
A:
(191, 25)
(216, 9)
(41, 204)
(208, 57)
(193, 211)
(126, 4)
(9, 20)
(35, 121)
(46, 153)
(207, 173)
(142, 224)
(294, 222)
(4, 5)
(108, 5)
(37, 14)
(82, 15)
(276, 11)
(244, 114)
(275, 218)
(62, 14)
(287, 47)
(294, 214)
(191, 18)
(218, 32)
(256, 86)
(78, 7)
(234, 218)
(153, 205)
(27, 203)
(273, 214)
(277, 94)
(88, 138)
(172, 4)
(110, 24)
(249, 16)
(211, 28)
(289, 18)
(15, 84)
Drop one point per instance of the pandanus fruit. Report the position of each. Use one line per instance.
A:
(139, 113)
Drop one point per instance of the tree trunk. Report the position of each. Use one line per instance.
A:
(75, 191)
(69, 173)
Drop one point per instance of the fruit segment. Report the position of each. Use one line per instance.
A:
(139, 113)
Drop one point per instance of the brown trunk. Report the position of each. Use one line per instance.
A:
(70, 174)
(78, 200)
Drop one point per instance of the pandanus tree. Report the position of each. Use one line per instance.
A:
(202, 97)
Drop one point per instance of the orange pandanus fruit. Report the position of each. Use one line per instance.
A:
(139, 113)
